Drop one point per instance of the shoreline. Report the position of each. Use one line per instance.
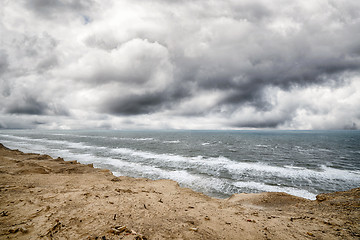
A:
(46, 198)
(217, 168)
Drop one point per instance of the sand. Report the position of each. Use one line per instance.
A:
(46, 198)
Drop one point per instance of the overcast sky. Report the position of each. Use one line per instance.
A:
(175, 64)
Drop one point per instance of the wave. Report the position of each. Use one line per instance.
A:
(216, 165)
(268, 188)
(207, 184)
(198, 182)
(172, 141)
(261, 145)
(143, 139)
(45, 145)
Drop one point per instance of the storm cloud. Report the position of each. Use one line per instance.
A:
(57, 8)
(180, 64)
(27, 105)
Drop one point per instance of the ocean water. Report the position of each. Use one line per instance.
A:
(217, 163)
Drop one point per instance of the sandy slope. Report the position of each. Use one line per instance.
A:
(45, 198)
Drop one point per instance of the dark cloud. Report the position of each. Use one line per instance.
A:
(27, 105)
(283, 64)
(56, 8)
(31, 105)
(352, 126)
(136, 104)
(144, 103)
(16, 124)
(260, 124)
(249, 88)
(36, 122)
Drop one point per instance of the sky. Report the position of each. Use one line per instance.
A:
(175, 64)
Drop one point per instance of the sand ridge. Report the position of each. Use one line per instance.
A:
(46, 198)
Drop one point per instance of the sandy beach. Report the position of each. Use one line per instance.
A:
(46, 198)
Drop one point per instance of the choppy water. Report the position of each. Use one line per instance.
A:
(218, 163)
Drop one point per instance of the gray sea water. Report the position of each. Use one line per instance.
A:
(217, 163)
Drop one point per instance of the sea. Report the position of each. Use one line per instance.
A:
(216, 163)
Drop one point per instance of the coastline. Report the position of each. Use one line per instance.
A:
(46, 198)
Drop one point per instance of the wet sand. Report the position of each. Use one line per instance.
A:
(46, 198)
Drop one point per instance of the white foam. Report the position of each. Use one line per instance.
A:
(46, 141)
(78, 145)
(238, 168)
(143, 139)
(326, 173)
(25, 147)
(335, 173)
(294, 167)
(261, 145)
(42, 140)
(269, 188)
(16, 137)
(160, 158)
(174, 141)
(197, 182)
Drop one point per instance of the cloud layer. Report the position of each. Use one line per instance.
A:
(180, 64)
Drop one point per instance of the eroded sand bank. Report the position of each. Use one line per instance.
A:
(45, 198)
